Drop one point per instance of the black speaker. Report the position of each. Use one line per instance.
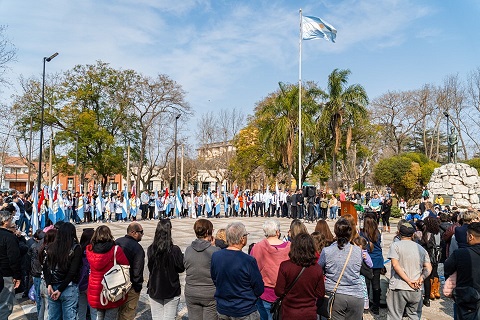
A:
(309, 191)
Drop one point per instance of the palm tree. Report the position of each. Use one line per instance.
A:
(277, 120)
(345, 104)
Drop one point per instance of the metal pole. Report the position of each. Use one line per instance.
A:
(30, 157)
(39, 182)
(76, 164)
(181, 170)
(175, 148)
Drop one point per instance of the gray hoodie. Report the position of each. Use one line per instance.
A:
(197, 259)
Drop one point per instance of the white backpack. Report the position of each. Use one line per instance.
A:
(116, 282)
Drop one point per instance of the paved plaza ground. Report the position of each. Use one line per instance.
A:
(183, 235)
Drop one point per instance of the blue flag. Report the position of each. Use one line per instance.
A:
(125, 203)
(208, 202)
(316, 28)
(178, 203)
(51, 214)
(34, 217)
(99, 204)
(58, 204)
(225, 199)
(80, 207)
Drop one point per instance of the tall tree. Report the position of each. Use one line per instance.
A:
(154, 98)
(345, 104)
(277, 120)
(7, 54)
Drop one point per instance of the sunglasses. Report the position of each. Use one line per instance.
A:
(139, 231)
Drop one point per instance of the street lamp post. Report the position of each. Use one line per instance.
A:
(175, 164)
(445, 113)
(39, 180)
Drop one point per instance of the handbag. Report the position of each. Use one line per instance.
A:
(116, 282)
(276, 308)
(325, 305)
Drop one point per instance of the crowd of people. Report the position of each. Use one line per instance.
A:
(223, 282)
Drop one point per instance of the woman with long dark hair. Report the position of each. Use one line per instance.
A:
(42, 257)
(300, 301)
(85, 240)
(61, 270)
(349, 295)
(430, 241)
(100, 255)
(165, 262)
(374, 247)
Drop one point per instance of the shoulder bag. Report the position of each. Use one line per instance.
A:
(116, 282)
(325, 305)
(276, 309)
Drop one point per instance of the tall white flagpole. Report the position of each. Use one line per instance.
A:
(299, 184)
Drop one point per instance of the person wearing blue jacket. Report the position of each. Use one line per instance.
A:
(236, 277)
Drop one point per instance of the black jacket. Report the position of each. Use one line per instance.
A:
(465, 261)
(164, 282)
(63, 277)
(35, 264)
(136, 256)
(9, 255)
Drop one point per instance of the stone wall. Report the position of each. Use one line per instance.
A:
(458, 180)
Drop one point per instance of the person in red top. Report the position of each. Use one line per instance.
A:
(100, 255)
(300, 301)
(269, 253)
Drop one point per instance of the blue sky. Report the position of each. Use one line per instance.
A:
(232, 53)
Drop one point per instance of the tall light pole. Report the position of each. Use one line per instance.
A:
(445, 113)
(175, 164)
(39, 181)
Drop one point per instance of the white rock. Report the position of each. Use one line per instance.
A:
(460, 189)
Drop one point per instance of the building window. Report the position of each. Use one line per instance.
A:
(113, 185)
(205, 186)
(150, 185)
(70, 184)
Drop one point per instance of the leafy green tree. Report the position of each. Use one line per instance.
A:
(475, 163)
(405, 174)
(277, 120)
(343, 107)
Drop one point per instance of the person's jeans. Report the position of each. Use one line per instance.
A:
(65, 307)
(107, 314)
(6, 298)
(68, 214)
(201, 308)
(83, 306)
(333, 212)
(164, 309)
(264, 309)
(199, 211)
(38, 299)
(43, 313)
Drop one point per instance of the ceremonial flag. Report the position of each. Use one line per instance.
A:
(133, 202)
(125, 203)
(35, 210)
(156, 204)
(61, 204)
(80, 207)
(99, 204)
(225, 199)
(208, 202)
(192, 204)
(316, 28)
(277, 193)
(178, 203)
(40, 201)
(51, 214)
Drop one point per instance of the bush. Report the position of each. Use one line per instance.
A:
(396, 212)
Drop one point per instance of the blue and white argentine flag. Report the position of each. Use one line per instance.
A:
(316, 28)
